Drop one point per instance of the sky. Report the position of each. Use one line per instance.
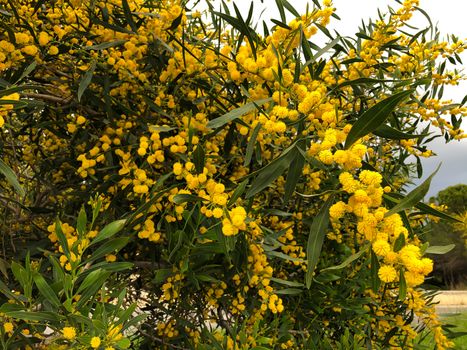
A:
(449, 16)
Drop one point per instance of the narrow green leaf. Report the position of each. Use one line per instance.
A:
(289, 291)
(238, 192)
(414, 196)
(109, 230)
(290, 8)
(11, 178)
(92, 289)
(81, 222)
(27, 71)
(402, 285)
(374, 117)
(441, 249)
(87, 77)
(46, 290)
(286, 282)
(114, 245)
(129, 16)
(40, 316)
(316, 239)
(374, 267)
(283, 256)
(199, 158)
(91, 280)
(399, 243)
(236, 113)
(347, 261)
(269, 173)
(106, 45)
(293, 176)
(391, 133)
(251, 144)
(183, 198)
(61, 238)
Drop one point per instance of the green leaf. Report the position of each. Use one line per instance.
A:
(237, 113)
(286, 282)
(251, 144)
(109, 247)
(374, 117)
(374, 267)
(388, 132)
(92, 289)
(294, 174)
(84, 83)
(199, 158)
(402, 285)
(124, 343)
(27, 71)
(316, 238)
(414, 196)
(109, 230)
(129, 16)
(238, 192)
(183, 198)
(61, 238)
(46, 290)
(347, 261)
(81, 222)
(270, 172)
(283, 256)
(106, 45)
(289, 291)
(399, 243)
(34, 316)
(439, 249)
(91, 279)
(11, 178)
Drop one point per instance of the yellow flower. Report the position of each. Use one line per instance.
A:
(95, 342)
(71, 128)
(69, 333)
(8, 327)
(381, 247)
(43, 38)
(80, 120)
(53, 50)
(387, 273)
(110, 258)
(30, 50)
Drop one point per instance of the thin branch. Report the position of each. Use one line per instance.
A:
(50, 98)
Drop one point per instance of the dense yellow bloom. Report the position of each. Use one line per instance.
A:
(95, 342)
(69, 333)
(387, 273)
(8, 327)
(381, 247)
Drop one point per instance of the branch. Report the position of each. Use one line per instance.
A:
(50, 98)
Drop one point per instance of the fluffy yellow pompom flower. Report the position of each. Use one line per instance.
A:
(95, 342)
(381, 247)
(43, 38)
(387, 273)
(69, 333)
(8, 327)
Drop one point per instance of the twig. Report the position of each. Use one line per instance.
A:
(50, 98)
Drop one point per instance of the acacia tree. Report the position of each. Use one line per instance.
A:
(215, 187)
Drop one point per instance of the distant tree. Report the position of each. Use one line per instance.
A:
(451, 269)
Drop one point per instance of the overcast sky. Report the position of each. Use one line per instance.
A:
(449, 16)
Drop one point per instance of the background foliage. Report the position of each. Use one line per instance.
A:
(217, 186)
